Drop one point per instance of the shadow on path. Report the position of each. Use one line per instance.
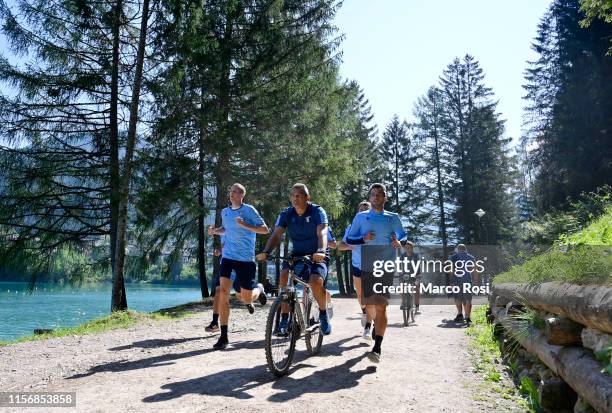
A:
(451, 324)
(158, 342)
(324, 381)
(237, 382)
(163, 360)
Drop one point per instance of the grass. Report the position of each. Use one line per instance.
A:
(486, 359)
(582, 258)
(117, 320)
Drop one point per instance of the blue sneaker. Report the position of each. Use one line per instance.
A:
(324, 324)
(282, 329)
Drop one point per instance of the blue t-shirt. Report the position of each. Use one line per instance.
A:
(385, 226)
(239, 243)
(460, 260)
(303, 229)
(356, 253)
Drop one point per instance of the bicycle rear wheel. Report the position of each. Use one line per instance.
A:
(280, 348)
(406, 305)
(314, 338)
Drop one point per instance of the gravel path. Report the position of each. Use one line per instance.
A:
(169, 366)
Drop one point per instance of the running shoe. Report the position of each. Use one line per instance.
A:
(458, 319)
(250, 308)
(221, 343)
(374, 357)
(212, 328)
(262, 294)
(367, 333)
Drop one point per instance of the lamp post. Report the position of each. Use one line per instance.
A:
(479, 213)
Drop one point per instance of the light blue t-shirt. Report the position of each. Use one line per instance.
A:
(384, 224)
(356, 252)
(239, 242)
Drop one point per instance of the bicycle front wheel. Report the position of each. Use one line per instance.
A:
(280, 347)
(314, 338)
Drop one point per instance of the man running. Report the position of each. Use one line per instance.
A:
(239, 224)
(306, 224)
(376, 227)
(463, 266)
(259, 294)
(366, 318)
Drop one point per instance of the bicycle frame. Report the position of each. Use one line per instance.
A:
(302, 305)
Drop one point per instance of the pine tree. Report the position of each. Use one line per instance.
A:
(72, 121)
(569, 96)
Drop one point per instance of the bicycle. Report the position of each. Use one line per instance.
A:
(303, 319)
(408, 307)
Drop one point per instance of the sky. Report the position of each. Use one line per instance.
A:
(397, 49)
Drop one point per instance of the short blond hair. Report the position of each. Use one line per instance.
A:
(239, 186)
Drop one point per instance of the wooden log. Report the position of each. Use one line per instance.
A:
(575, 365)
(501, 301)
(562, 331)
(595, 340)
(590, 305)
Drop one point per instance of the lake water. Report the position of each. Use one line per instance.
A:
(53, 306)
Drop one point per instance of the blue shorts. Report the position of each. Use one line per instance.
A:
(319, 268)
(356, 271)
(245, 272)
(235, 285)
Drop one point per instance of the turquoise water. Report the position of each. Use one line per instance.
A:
(53, 306)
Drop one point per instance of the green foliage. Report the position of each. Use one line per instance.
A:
(559, 225)
(605, 358)
(529, 389)
(583, 265)
(569, 104)
(487, 357)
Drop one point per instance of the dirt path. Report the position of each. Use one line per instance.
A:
(170, 367)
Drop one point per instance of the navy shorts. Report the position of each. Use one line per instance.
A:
(235, 285)
(319, 268)
(464, 296)
(245, 272)
(356, 271)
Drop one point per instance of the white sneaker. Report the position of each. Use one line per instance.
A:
(330, 310)
(367, 334)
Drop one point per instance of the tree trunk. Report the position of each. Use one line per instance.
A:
(129, 150)
(338, 259)
(349, 277)
(118, 291)
(202, 215)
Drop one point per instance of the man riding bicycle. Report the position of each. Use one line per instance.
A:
(306, 224)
